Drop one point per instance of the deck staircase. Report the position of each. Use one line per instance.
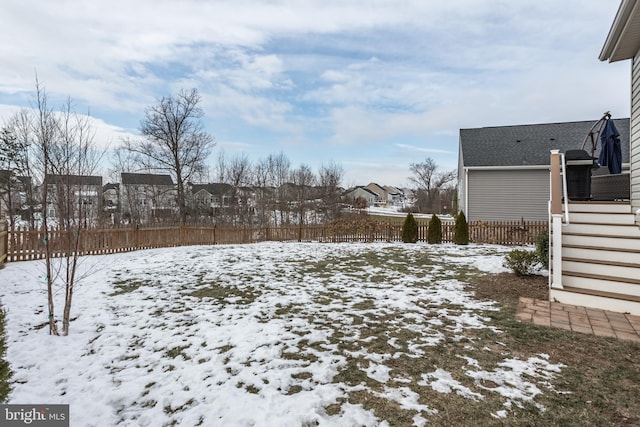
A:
(600, 257)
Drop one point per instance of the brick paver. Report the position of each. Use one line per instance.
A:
(579, 319)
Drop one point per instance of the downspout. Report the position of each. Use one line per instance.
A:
(466, 193)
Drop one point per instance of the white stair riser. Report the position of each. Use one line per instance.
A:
(599, 207)
(601, 285)
(604, 230)
(601, 255)
(602, 303)
(602, 218)
(602, 242)
(612, 271)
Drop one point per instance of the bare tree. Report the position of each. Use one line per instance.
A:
(74, 159)
(264, 188)
(329, 179)
(63, 154)
(124, 161)
(174, 140)
(429, 182)
(45, 133)
(221, 167)
(303, 179)
(280, 167)
(238, 175)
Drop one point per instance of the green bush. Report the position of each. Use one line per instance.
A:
(410, 229)
(5, 371)
(461, 231)
(434, 234)
(521, 262)
(542, 249)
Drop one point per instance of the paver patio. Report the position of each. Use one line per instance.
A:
(579, 319)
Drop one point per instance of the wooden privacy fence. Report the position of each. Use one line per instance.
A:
(4, 247)
(23, 244)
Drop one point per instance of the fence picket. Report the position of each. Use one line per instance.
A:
(21, 244)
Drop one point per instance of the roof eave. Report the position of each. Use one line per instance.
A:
(506, 168)
(623, 40)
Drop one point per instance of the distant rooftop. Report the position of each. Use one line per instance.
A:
(74, 179)
(145, 179)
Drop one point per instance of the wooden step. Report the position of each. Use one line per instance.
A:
(624, 273)
(600, 283)
(629, 256)
(602, 241)
(614, 230)
(600, 263)
(612, 301)
(602, 207)
(606, 218)
(604, 294)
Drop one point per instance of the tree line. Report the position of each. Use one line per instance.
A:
(54, 147)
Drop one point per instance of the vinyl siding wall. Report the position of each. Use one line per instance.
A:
(635, 133)
(508, 195)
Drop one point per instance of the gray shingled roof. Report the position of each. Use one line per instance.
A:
(111, 186)
(216, 188)
(5, 174)
(145, 179)
(75, 179)
(530, 144)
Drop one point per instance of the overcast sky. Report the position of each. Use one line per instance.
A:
(372, 85)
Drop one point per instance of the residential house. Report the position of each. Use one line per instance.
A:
(77, 197)
(395, 195)
(111, 197)
(595, 250)
(503, 172)
(352, 195)
(14, 192)
(146, 197)
(384, 198)
(209, 198)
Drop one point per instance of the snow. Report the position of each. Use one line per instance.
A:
(443, 382)
(246, 334)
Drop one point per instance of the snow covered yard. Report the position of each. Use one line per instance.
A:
(270, 334)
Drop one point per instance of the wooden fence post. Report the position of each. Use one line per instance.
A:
(4, 243)
(136, 237)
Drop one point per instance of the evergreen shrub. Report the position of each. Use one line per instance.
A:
(461, 231)
(434, 234)
(5, 369)
(410, 229)
(542, 249)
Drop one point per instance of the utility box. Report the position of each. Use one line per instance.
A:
(579, 165)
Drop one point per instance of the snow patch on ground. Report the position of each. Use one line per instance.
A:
(254, 334)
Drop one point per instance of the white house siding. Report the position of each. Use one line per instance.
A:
(508, 195)
(635, 133)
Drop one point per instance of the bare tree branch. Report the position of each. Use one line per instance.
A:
(174, 140)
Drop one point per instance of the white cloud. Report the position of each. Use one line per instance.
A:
(340, 72)
(105, 135)
(424, 149)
